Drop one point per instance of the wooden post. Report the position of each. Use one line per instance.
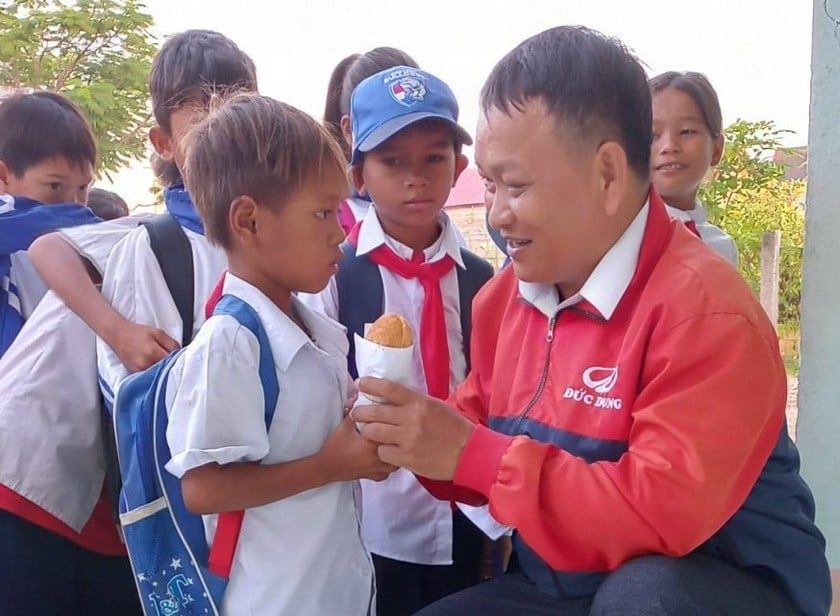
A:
(771, 243)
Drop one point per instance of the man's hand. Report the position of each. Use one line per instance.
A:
(414, 431)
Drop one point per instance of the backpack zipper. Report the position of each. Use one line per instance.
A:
(549, 338)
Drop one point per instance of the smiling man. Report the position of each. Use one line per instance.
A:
(625, 410)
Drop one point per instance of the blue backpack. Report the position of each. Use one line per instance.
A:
(176, 572)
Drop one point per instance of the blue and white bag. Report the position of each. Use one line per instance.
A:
(166, 543)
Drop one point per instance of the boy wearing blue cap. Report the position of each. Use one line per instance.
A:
(404, 258)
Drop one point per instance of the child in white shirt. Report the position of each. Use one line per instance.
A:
(268, 181)
(687, 142)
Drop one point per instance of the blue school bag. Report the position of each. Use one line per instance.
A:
(177, 573)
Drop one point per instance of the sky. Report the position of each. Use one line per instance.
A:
(755, 52)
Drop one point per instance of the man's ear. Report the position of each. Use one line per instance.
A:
(162, 143)
(461, 162)
(613, 175)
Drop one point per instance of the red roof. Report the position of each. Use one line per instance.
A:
(795, 161)
(468, 190)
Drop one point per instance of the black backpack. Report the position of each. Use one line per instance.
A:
(173, 252)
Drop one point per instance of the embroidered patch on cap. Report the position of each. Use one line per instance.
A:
(407, 88)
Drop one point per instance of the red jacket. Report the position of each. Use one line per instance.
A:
(604, 439)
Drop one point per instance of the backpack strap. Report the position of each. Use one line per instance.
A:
(173, 252)
(475, 275)
(361, 297)
(229, 525)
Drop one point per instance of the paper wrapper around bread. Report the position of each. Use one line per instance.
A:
(394, 364)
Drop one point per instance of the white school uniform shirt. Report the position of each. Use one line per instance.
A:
(401, 520)
(30, 287)
(49, 397)
(361, 207)
(133, 284)
(303, 554)
(714, 237)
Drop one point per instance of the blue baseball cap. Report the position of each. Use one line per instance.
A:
(387, 102)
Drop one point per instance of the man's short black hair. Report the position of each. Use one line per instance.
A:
(191, 65)
(39, 126)
(590, 83)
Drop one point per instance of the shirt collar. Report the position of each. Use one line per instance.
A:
(606, 284)
(372, 236)
(284, 335)
(697, 214)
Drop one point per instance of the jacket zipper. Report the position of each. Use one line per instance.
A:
(549, 338)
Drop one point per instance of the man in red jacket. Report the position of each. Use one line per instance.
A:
(625, 410)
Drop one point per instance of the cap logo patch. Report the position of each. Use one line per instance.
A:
(407, 89)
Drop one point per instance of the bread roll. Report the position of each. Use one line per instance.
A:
(391, 330)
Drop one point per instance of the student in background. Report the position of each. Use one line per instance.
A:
(106, 204)
(135, 317)
(404, 257)
(47, 159)
(347, 74)
(60, 552)
(687, 142)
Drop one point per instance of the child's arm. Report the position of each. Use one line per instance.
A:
(217, 436)
(345, 456)
(73, 278)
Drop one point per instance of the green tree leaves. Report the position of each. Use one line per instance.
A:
(96, 52)
(748, 195)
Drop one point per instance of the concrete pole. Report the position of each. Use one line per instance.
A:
(819, 387)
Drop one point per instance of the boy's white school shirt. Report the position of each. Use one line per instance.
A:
(361, 207)
(714, 237)
(49, 397)
(303, 554)
(30, 287)
(401, 520)
(133, 284)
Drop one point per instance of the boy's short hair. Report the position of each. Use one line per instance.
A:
(396, 98)
(190, 66)
(39, 126)
(106, 204)
(592, 84)
(698, 87)
(254, 145)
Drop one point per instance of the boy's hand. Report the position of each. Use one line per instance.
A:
(413, 431)
(346, 456)
(351, 402)
(140, 346)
